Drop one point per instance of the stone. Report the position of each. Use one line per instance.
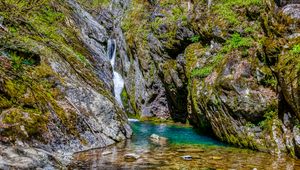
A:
(27, 158)
(106, 153)
(187, 157)
(131, 156)
(292, 10)
(158, 139)
(217, 158)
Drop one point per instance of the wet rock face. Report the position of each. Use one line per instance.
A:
(100, 122)
(233, 103)
(241, 92)
(282, 3)
(223, 81)
(59, 98)
(156, 83)
(292, 10)
(289, 78)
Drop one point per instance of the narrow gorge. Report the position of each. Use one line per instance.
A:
(150, 84)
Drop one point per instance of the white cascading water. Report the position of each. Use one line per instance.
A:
(133, 120)
(117, 79)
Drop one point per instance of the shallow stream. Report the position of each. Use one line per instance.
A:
(206, 153)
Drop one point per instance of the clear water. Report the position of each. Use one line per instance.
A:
(176, 134)
(206, 153)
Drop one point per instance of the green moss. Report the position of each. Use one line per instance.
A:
(268, 122)
(167, 66)
(15, 88)
(250, 125)
(192, 52)
(249, 30)
(29, 95)
(4, 103)
(133, 101)
(40, 28)
(24, 124)
(208, 68)
(270, 81)
(94, 4)
(202, 72)
(156, 120)
(125, 99)
(225, 9)
(296, 49)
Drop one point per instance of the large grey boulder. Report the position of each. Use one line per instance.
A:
(18, 157)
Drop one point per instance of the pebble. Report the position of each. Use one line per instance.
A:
(106, 153)
(131, 156)
(187, 157)
(217, 158)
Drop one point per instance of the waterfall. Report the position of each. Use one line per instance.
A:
(209, 2)
(117, 78)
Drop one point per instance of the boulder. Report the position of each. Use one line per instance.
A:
(27, 158)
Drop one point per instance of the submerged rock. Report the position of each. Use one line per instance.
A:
(216, 157)
(106, 153)
(158, 139)
(131, 156)
(187, 157)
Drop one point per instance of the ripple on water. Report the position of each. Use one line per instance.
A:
(206, 153)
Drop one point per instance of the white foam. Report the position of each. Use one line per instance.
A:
(133, 120)
(117, 79)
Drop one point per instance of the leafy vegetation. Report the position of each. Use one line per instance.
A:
(237, 41)
(195, 38)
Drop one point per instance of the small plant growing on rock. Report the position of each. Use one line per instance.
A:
(237, 41)
(195, 38)
(296, 49)
(202, 72)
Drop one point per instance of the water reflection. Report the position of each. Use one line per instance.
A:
(206, 152)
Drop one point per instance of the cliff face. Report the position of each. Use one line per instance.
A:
(228, 67)
(56, 79)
